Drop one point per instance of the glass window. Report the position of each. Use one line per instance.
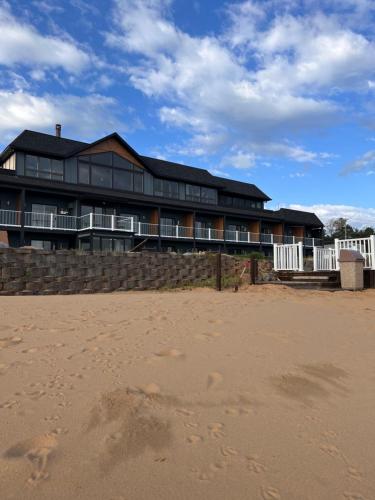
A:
(138, 182)
(84, 158)
(44, 209)
(193, 193)
(42, 244)
(84, 244)
(10, 164)
(101, 176)
(31, 162)
(106, 244)
(102, 158)
(83, 173)
(208, 195)
(158, 187)
(123, 179)
(120, 162)
(96, 243)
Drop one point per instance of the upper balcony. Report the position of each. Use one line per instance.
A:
(57, 222)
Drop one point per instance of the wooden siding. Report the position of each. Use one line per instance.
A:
(114, 146)
(154, 218)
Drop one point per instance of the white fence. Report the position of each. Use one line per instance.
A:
(366, 246)
(325, 259)
(288, 257)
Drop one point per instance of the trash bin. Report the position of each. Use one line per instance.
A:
(351, 269)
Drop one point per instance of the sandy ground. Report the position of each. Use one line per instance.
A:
(264, 394)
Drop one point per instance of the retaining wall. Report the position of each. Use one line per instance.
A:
(26, 271)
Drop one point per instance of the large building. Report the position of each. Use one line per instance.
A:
(58, 193)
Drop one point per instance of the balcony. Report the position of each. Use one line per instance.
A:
(50, 221)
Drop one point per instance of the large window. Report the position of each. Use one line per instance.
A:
(101, 176)
(109, 170)
(208, 195)
(193, 193)
(44, 168)
(237, 202)
(166, 189)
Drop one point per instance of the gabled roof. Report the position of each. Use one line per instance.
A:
(51, 145)
(39, 143)
(299, 217)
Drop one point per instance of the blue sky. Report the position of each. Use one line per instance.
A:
(275, 92)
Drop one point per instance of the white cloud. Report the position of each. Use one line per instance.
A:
(357, 216)
(240, 160)
(362, 163)
(257, 84)
(81, 115)
(22, 45)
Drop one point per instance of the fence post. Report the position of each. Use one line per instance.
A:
(51, 221)
(315, 259)
(112, 222)
(91, 214)
(218, 271)
(337, 253)
(253, 270)
(372, 250)
(275, 257)
(176, 231)
(300, 254)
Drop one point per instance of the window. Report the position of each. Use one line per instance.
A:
(41, 244)
(10, 164)
(208, 195)
(41, 215)
(123, 180)
(44, 168)
(101, 176)
(193, 193)
(166, 189)
(138, 182)
(83, 173)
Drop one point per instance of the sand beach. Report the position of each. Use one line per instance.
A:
(265, 394)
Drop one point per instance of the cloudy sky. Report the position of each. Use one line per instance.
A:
(275, 92)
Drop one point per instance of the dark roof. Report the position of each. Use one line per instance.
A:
(46, 144)
(36, 142)
(176, 171)
(243, 188)
(298, 217)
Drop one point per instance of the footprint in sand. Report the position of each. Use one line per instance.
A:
(38, 451)
(254, 466)
(216, 430)
(194, 439)
(353, 496)
(214, 379)
(270, 493)
(353, 473)
(9, 341)
(228, 451)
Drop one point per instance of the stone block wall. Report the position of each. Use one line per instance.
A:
(26, 271)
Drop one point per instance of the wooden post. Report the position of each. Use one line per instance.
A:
(253, 271)
(218, 271)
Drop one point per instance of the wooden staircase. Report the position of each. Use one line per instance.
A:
(327, 280)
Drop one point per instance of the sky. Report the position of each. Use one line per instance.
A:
(279, 93)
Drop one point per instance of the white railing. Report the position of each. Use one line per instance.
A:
(106, 222)
(174, 231)
(325, 259)
(288, 257)
(10, 218)
(146, 229)
(366, 246)
(50, 221)
(202, 233)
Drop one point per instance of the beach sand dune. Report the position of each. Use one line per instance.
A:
(264, 394)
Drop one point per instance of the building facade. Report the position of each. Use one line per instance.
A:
(57, 193)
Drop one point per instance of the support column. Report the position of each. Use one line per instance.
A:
(22, 210)
(194, 242)
(159, 230)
